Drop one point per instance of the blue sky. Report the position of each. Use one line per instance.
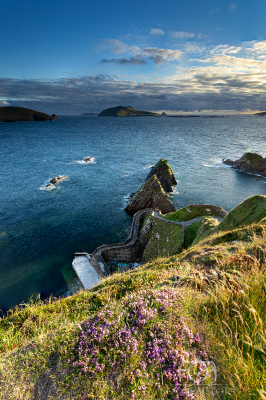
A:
(175, 56)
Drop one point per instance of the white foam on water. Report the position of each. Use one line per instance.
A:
(214, 163)
(49, 188)
(148, 166)
(174, 191)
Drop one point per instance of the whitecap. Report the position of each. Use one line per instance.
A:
(148, 166)
(49, 188)
(214, 163)
(174, 192)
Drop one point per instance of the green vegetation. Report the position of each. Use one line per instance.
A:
(121, 111)
(16, 114)
(122, 338)
(164, 239)
(192, 211)
(190, 233)
(254, 159)
(249, 211)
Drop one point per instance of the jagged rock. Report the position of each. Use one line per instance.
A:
(56, 180)
(150, 195)
(249, 162)
(87, 159)
(164, 174)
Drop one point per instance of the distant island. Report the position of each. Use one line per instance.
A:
(19, 114)
(121, 111)
(261, 114)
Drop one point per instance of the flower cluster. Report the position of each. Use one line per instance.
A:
(145, 336)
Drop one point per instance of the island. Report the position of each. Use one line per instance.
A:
(249, 162)
(20, 114)
(121, 111)
(261, 114)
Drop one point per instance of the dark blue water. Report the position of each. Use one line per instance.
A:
(40, 230)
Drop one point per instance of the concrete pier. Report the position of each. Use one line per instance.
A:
(85, 271)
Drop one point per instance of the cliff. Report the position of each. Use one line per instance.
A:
(137, 334)
(121, 111)
(249, 162)
(150, 195)
(19, 114)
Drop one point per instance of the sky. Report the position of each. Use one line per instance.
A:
(177, 56)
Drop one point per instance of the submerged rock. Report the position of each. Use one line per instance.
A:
(164, 174)
(249, 162)
(87, 159)
(150, 195)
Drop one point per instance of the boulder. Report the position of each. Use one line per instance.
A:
(150, 195)
(164, 174)
(87, 159)
(249, 162)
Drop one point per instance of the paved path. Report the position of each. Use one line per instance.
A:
(85, 271)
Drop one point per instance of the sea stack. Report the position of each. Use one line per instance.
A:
(152, 193)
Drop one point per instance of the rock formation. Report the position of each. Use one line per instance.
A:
(164, 174)
(121, 111)
(56, 180)
(150, 195)
(87, 159)
(249, 162)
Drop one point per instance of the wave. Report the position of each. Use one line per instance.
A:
(215, 163)
(49, 188)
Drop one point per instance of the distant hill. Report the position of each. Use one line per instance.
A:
(261, 114)
(19, 114)
(121, 111)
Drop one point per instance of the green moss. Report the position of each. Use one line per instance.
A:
(190, 212)
(255, 159)
(165, 240)
(250, 211)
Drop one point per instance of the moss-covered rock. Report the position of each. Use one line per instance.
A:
(206, 227)
(250, 211)
(195, 210)
(249, 162)
(164, 173)
(163, 239)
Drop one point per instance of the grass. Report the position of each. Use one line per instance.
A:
(190, 212)
(208, 302)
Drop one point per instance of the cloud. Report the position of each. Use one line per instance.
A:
(232, 7)
(225, 49)
(213, 10)
(157, 59)
(181, 34)
(4, 103)
(156, 32)
(116, 46)
(124, 61)
(165, 54)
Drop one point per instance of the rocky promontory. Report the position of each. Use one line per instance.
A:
(150, 195)
(164, 174)
(249, 162)
(19, 114)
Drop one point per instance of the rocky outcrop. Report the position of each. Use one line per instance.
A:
(164, 174)
(122, 111)
(249, 162)
(87, 159)
(56, 180)
(150, 195)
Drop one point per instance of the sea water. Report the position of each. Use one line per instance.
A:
(41, 229)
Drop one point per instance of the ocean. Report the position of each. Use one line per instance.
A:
(41, 229)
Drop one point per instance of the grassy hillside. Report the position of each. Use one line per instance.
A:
(19, 114)
(121, 111)
(190, 325)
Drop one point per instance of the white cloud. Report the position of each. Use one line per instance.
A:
(166, 54)
(232, 7)
(181, 34)
(117, 47)
(156, 32)
(225, 49)
(4, 103)
(259, 47)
